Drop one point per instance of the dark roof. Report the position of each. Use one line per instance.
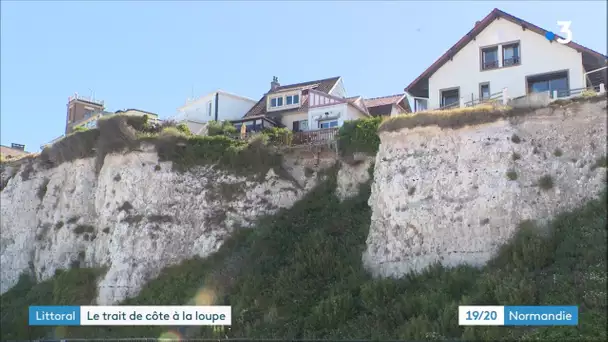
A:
(324, 86)
(384, 105)
(480, 26)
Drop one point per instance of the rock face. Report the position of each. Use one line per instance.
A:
(134, 218)
(454, 196)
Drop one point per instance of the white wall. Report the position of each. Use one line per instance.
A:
(538, 55)
(197, 110)
(320, 111)
(288, 119)
(353, 113)
(232, 107)
(339, 90)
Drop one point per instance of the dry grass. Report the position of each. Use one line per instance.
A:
(451, 118)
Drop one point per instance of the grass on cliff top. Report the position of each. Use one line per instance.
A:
(173, 142)
(298, 274)
(476, 115)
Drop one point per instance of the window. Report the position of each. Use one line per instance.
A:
(489, 58)
(328, 124)
(276, 102)
(209, 108)
(549, 82)
(510, 54)
(292, 99)
(484, 91)
(300, 126)
(420, 105)
(450, 98)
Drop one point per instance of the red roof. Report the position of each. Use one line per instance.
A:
(480, 26)
(323, 86)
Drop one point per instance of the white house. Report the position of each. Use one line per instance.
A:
(306, 106)
(216, 106)
(503, 51)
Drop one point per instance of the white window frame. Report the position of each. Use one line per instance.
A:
(283, 98)
(292, 97)
(328, 122)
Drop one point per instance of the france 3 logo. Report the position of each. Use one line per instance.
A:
(565, 29)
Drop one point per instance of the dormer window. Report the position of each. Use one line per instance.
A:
(292, 99)
(276, 102)
(288, 100)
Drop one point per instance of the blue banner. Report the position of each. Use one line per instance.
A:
(541, 315)
(54, 315)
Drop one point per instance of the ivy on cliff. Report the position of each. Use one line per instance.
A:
(359, 136)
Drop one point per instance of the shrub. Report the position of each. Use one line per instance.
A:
(278, 136)
(220, 128)
(512, 175)
(558, 152)
(359, 136)
(545, 182)
(79, 129)
(182, 127)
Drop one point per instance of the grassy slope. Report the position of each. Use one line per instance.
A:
(299, 275)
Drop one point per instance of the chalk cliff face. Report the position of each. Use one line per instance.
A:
(133, 218)
(454, 196)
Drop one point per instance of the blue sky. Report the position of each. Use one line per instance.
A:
(151, 55)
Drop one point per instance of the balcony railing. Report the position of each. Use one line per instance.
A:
(316, 137)
(490, 65)
(85, 98)
(510, 61)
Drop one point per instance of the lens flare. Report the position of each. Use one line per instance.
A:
(171, 336)
(204, 297)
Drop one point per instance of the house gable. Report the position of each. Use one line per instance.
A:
(262, 106)
(417, 88)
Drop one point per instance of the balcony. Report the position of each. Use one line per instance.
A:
(316, 137)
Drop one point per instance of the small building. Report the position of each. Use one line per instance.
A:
(14, 151)
(80, 108)
(506, 57)
(215, 106)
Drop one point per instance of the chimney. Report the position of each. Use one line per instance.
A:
(275, 83)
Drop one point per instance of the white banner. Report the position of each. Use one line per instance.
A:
(155, 315)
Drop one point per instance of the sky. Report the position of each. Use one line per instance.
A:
(153, 55)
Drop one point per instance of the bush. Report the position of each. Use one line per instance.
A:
(79, 129)
(221, 128)
(359, 136)
(279, 136)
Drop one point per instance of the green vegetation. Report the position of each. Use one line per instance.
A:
(600, 162)
(558, 152)
(174, 142)
(43, 188)
(512, 175)
(451, 118)
(545, 182)
(299, 274)
(220, 128)
(79, 129)
(359, 136)
(72, 287)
